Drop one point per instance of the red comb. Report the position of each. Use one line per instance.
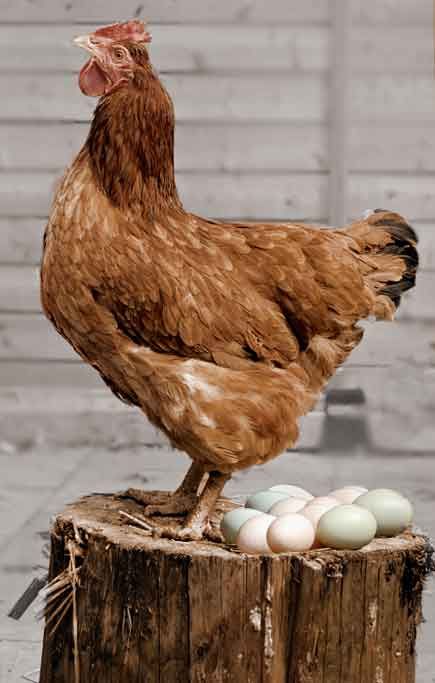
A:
(134, 30)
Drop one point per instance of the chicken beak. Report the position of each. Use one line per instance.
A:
(83, 41)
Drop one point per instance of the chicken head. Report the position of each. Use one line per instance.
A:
(111, 63)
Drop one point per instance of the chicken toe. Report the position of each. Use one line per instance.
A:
(177, 504)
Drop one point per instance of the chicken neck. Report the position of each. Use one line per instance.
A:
(131, 146)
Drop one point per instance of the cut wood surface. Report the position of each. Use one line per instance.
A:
(199, 48)
(210, 613)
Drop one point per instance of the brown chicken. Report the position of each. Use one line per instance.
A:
(222, 333)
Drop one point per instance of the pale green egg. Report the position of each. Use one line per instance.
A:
(346, 527)
(233, 520)
(263, 500)
(393, 512)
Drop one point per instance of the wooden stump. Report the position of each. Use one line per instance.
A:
(145, 610)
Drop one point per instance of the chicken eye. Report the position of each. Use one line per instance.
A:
(119, 53)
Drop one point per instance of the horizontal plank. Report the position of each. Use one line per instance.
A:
(392, 98)
(290, 196)
(411, 195)
(197, 97)
(49, 374)
(229, 48)
(175, 48)
(237, 147)
(218, 147)
(73, 416)
(418, 304)
(33, 338)
(284, 97)
(426, 246)
(393, 147)
(212, 194)
(188, 11)
(19, 291)
(209, 11)
(393, 12)
(21, 241)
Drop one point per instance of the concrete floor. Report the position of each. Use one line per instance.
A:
(35, 483)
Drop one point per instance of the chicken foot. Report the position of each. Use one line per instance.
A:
(197, 521)
(182, 501)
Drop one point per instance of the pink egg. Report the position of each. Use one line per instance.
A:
(324, 500)
(348, 494)
(290, 533)
(317, 507)
(252, 536)
(291, 504)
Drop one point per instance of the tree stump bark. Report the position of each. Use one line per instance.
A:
(138, 609)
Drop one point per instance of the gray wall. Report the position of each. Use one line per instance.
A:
(266, 130)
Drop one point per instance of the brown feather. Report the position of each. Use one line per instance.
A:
(223, 333)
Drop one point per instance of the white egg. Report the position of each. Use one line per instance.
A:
(348, 494)
(291, 504)
(252, 536)
(233, 520)
(263, 500)
(317, 507)
(346, 527)
(291, 490)
(393, 512)
(290, 533)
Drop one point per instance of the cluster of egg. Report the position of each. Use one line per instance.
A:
(287, 518)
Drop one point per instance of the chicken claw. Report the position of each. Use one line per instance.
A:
(182, 501)
(197, 525)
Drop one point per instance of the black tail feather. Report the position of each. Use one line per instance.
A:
(404, 244)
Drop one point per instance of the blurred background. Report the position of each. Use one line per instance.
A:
(299, 111)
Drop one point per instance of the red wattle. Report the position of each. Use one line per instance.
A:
(92, 79)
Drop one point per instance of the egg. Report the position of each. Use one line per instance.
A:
(290, 533)
(393, 512)
(233, 520)
(348, 494)
(291, 504)
(346, 527)
(263, 500)
(317, 507)
(324, 500)
(292, 491)
(252, 536)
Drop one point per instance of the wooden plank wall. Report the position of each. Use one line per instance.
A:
(251, 84)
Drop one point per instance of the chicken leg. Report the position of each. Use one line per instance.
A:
(197, 521)
(182, 500)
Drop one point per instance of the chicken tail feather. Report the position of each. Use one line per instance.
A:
(388, 253)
